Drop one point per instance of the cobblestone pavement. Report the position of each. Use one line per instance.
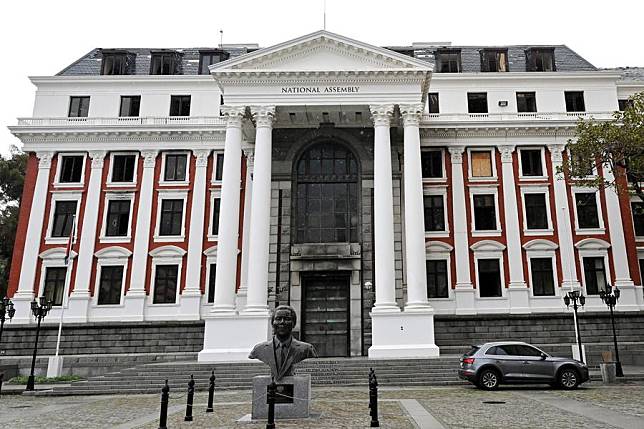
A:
(453, 407)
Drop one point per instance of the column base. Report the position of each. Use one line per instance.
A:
(519, 298)
(22, 305)
(639, 296)
(230, 338)
(77, 308)
(630, 298)
(402, 335)
(134, 307)
(190, 305)
(55, 366)
(241, 298)
(465, 299)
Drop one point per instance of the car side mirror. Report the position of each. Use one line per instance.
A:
(543, 356)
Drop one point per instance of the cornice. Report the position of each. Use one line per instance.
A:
(275, 77)
(478, 76)
(58, 136)
(497, 132)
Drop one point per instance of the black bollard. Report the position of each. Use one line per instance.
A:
(1, 380)
(270, 423)
(373, 399)
(191, 396)
(165, 395)
(211, 393)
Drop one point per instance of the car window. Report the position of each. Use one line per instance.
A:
(507, 350)
(527, 350)
(472, 351)
(496, 351)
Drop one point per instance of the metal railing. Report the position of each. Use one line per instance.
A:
(532, 116)
(123, 121)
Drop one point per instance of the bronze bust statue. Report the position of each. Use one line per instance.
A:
(283, 351)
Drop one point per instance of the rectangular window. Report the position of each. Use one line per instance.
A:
(494, 60)
(64, 213)
(171, 217)
(637, 208)
(434, 213)
(71, 169)
(219, 166)
(574, 101)
(118, 218)
(531, 162)
(165, 284)
(586, 203)
(114, 64)
(432, 102)
(481, 163)
(123, 168)
(78, 107)
(180, 105)
(448, 61)
(216, 209)
(437, 279)
(55, 285)
(624, 104)
(540, 60)
(543, 282)
(130, 105)
(431, 163)
(477, 102)
(164, 63)
(211, 283)
(109, 289)
(526, 102)
(175, 167)
(595, 275)
(489, 278)
(536, 211)
(484, 213)
(210, 57)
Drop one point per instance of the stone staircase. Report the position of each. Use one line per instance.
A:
(149, 378)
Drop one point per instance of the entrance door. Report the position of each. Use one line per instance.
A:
(325, 321)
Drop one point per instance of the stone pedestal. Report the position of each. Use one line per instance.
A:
(55, 366)
(293, 399)
(231, 337)
(403, 335)
(609, 372)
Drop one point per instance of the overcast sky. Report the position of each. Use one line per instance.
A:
(39, 38)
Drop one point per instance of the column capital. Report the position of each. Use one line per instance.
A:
(44, 159)
(263, 115)
(202, 157)
(250, 157)
(411, 113)
(456, 153)
(98, 157)
(149, 158)
(381, 114)
(234, 115)
(506, 152)
(556, 152)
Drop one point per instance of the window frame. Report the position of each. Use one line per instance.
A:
(492, 255)
(442, 192)
(545, 190)
(170, 195)
(110, 172)
(544, 170)
(120, 113)
(69, 107)
(593, 248)
(223, 56)
(588, 231)
(443, 175)
(214, 194)
(59, 167)
(173, 96)
(478, 190)
(111, 256)
(487, 104)
(553, 266)
(531, 61)
(484, 53)
(215, 157)
(516, 96)
(124, 68)
(636, 200)
(166, 255)
(175, 61)
(117, 196)
(583, 100)
(164, 154)
(62, 196)
(545, 249)
(439, 62)
(211, 259)
(55, 258)
(437, 104)
(437, 250)
(99, 273)
(473, 178)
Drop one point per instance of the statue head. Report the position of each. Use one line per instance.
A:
(283, 321)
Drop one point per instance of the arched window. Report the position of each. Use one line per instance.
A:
(326, 195)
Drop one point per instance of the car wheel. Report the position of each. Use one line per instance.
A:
(488, 379)
(568, 378)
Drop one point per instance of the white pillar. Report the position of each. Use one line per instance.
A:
(464, 291)
(80, 296)
(260, 212)
(414, 211)
(227, 250)
(564, 226)
(25, 292)
(248, 192)
(191, 295)
(518, 292)
(383, 212)
(135, 296)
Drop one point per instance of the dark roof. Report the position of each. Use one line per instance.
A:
(565, 58)
(629, 73)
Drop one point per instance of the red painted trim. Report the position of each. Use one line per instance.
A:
(629, 229)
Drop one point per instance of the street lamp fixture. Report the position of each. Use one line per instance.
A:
(6, 309)
(610, 296)
(576, 297)
(40, 310)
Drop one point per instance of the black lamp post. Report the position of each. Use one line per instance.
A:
(6, 309)
(39, 310)
(610, 296)
(576, 296)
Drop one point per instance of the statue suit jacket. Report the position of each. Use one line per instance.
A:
(296, 353)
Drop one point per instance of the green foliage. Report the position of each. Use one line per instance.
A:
(22, 379)
(616, 145)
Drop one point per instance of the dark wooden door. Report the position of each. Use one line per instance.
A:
(325, 321)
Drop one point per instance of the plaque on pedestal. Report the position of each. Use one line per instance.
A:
(292, 400)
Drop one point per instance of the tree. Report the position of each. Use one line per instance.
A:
(12, 177)
(616, 145)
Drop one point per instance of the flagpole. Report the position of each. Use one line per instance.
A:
(68, 258)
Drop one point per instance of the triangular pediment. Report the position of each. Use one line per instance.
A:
(318, 52)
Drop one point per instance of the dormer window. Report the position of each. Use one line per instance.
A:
(164, 63)
(116, 63)
(448, 61)
(540, 60)
(494, 60)
(207, 58)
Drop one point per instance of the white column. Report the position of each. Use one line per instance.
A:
(80, 296)
(564, 226)
(25, 292)
(135, 296)
(227, 250)
(464, 291)
(414, 212)
(248, 192)
(518, 292)
(383, 212)
(191, 295)
(260, 212)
